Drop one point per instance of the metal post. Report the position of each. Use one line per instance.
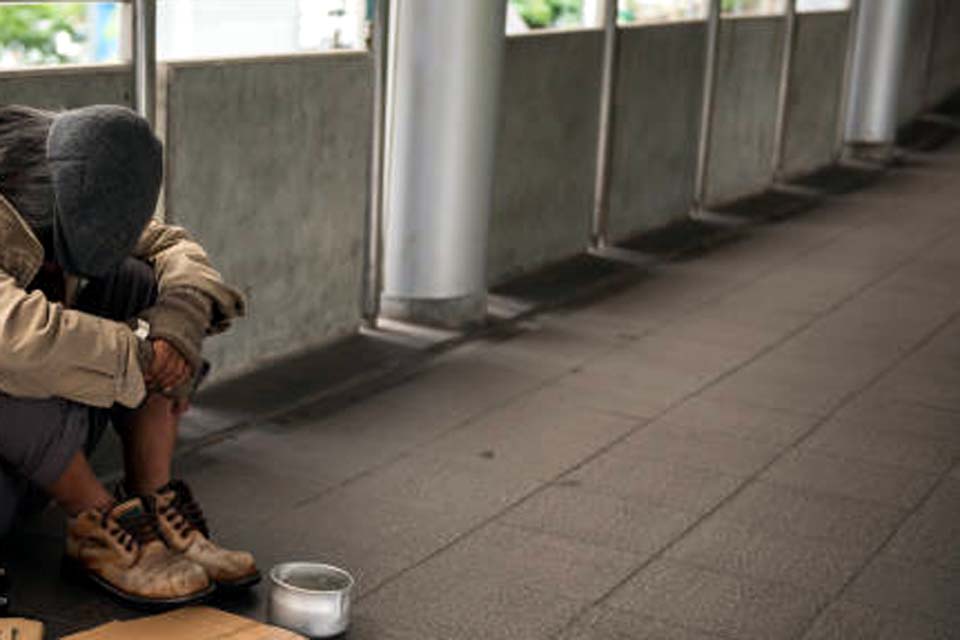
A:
(853, 15)
(601, 199)
(374, 264)
(876, 75)
(443, 103)
(783, 91)
(143, 16)
(709, 98)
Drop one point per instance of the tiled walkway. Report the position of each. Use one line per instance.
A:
(759, 443)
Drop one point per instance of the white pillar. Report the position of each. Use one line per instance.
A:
(875, 81)
(443, 98)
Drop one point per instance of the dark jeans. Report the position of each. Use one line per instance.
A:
(38, 438)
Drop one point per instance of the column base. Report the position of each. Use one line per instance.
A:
(460, 313)
(877, 152)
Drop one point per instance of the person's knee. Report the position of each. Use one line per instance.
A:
(39, 437)
(139, 279)
(122, 294)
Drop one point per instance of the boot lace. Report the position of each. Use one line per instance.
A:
(186, 515)
(133, 529)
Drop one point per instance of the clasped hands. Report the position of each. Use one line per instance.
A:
(168, 371)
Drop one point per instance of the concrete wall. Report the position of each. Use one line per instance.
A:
(913, 89)
(66, 87)
(656, 126)
(268, 165)
(944, 72)
(745, 113)
(932, 65)
(816, 91)
(546, 150)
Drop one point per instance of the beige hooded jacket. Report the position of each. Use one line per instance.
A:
(48, 350)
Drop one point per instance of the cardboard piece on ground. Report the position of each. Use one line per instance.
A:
(25, 629)
(192, 623)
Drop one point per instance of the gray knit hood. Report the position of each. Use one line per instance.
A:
(106, 167)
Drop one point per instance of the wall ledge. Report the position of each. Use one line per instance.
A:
(359, 54)
(65, 70)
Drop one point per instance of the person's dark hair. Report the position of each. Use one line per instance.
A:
(24, 175)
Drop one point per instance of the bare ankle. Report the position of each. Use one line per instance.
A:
(78, 489)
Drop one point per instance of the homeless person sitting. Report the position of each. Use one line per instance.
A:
(102, 315)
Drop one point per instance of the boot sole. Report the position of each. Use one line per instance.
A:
(240, 583)
(73, 569)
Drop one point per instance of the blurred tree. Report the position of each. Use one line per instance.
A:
(752, 6)
(541, 14)
(30, 32)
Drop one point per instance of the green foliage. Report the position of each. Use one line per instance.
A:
(540, 14)
(732, 6)
(30, 31)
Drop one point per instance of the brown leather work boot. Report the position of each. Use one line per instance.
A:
(121, 551)
(184, 529)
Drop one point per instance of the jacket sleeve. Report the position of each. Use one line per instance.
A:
(181, 263)
(47, 350)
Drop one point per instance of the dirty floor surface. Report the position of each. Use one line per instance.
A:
(758, 443)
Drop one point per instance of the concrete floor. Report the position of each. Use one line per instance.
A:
(758, 443)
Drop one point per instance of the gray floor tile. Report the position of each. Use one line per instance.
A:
(893, 486)
(924, 388)
(718, 603)
(667, 291)
(782, 322)
(370, 537)
(703, 360)
(315, 454)
(830, 519)
(818, 345)
(775, 557)
(878, 410)
(913, 588)
(599, 393)
(461, 389)
(781, 383)
(602, 520)
(932, 534)
(742, 420)
(622, 473)
(597, 323)
(638, 390)
(861, 440)
(512, 353)
(501, 582)
(721, 331)
(463, 607)
(538, 436)
(706, 449)
(802, 288)
(849, 621)
(884, 317)
(469, 489)
(604, 623)
(364, 628)
(536, 560)
(238, 488)
(554, 342)
(763, 392)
